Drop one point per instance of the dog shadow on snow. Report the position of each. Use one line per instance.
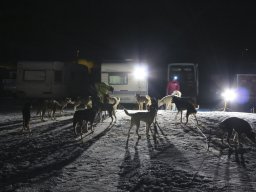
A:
(227, 158)
(139, 173)
(47, 154)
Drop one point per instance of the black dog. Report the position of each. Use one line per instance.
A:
(184, 104)
(81, 116)
(26, 116)
(106, 107)
(238, 125)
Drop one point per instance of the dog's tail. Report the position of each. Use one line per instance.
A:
(191, 109)
(114, 103)
(127, 113)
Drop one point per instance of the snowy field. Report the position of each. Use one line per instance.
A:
(52, 159)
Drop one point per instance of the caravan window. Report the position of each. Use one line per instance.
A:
(118, 79)
(38, 75)
(58, 76)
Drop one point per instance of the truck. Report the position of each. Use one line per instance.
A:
(53, 79)
(187, 76)
(127, 78)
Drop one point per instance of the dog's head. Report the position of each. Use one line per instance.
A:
(137, 95)
(154, 104)
(111, 89)
(174, 98)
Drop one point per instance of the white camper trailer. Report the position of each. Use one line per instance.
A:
(127, 78)
(51, 79)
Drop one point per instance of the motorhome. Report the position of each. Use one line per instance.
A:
(51, 79)
(127, 78)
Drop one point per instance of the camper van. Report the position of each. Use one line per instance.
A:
(51, 79)
(127, 78)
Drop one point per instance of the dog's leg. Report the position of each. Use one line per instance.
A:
(187, 115)
(23, 126)
(86, 127)
(28, 126)
(176, 116)
(235, 138)
(137, 129)
(239, 139)
(195, 118)
(112, 119)
(43, 113)
(92, 129)
(114, 114)
(81, 130)
(129, 132)
(228, 137)
(181, 116)
(147, 130)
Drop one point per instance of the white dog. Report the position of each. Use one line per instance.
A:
(115, 100)
(167, 101)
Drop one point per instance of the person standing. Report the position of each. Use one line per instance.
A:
(173, 85)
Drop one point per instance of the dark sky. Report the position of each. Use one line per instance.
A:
(211, 33)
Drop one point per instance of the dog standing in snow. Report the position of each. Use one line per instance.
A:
(240, 127)
(184, 104)
(147, 117)
(26, 116)
(167, 101)
(143, 99)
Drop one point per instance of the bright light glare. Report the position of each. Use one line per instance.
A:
(175, 77)
(229, 95)
(140, 72)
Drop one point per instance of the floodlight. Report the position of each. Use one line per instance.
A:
(229, 95)
(140, 72)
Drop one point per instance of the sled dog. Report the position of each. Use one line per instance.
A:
(184, 104)
(26, 116)
(84, 116)
(147, 117)
(240, 127)
(41, 106)
(55, 105)
(167, 100)
(86, 102)
(143, 99)
(114, 100)
(106, 107)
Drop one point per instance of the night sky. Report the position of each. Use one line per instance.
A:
(218, 35)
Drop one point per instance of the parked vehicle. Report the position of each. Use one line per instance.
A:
(245, 84)
(7, 81)
(51, 79)
(187, 76)
(127, 78)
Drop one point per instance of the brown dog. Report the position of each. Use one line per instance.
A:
(143, 99)
(147, 117)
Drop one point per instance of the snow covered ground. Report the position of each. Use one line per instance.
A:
(52, 159)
